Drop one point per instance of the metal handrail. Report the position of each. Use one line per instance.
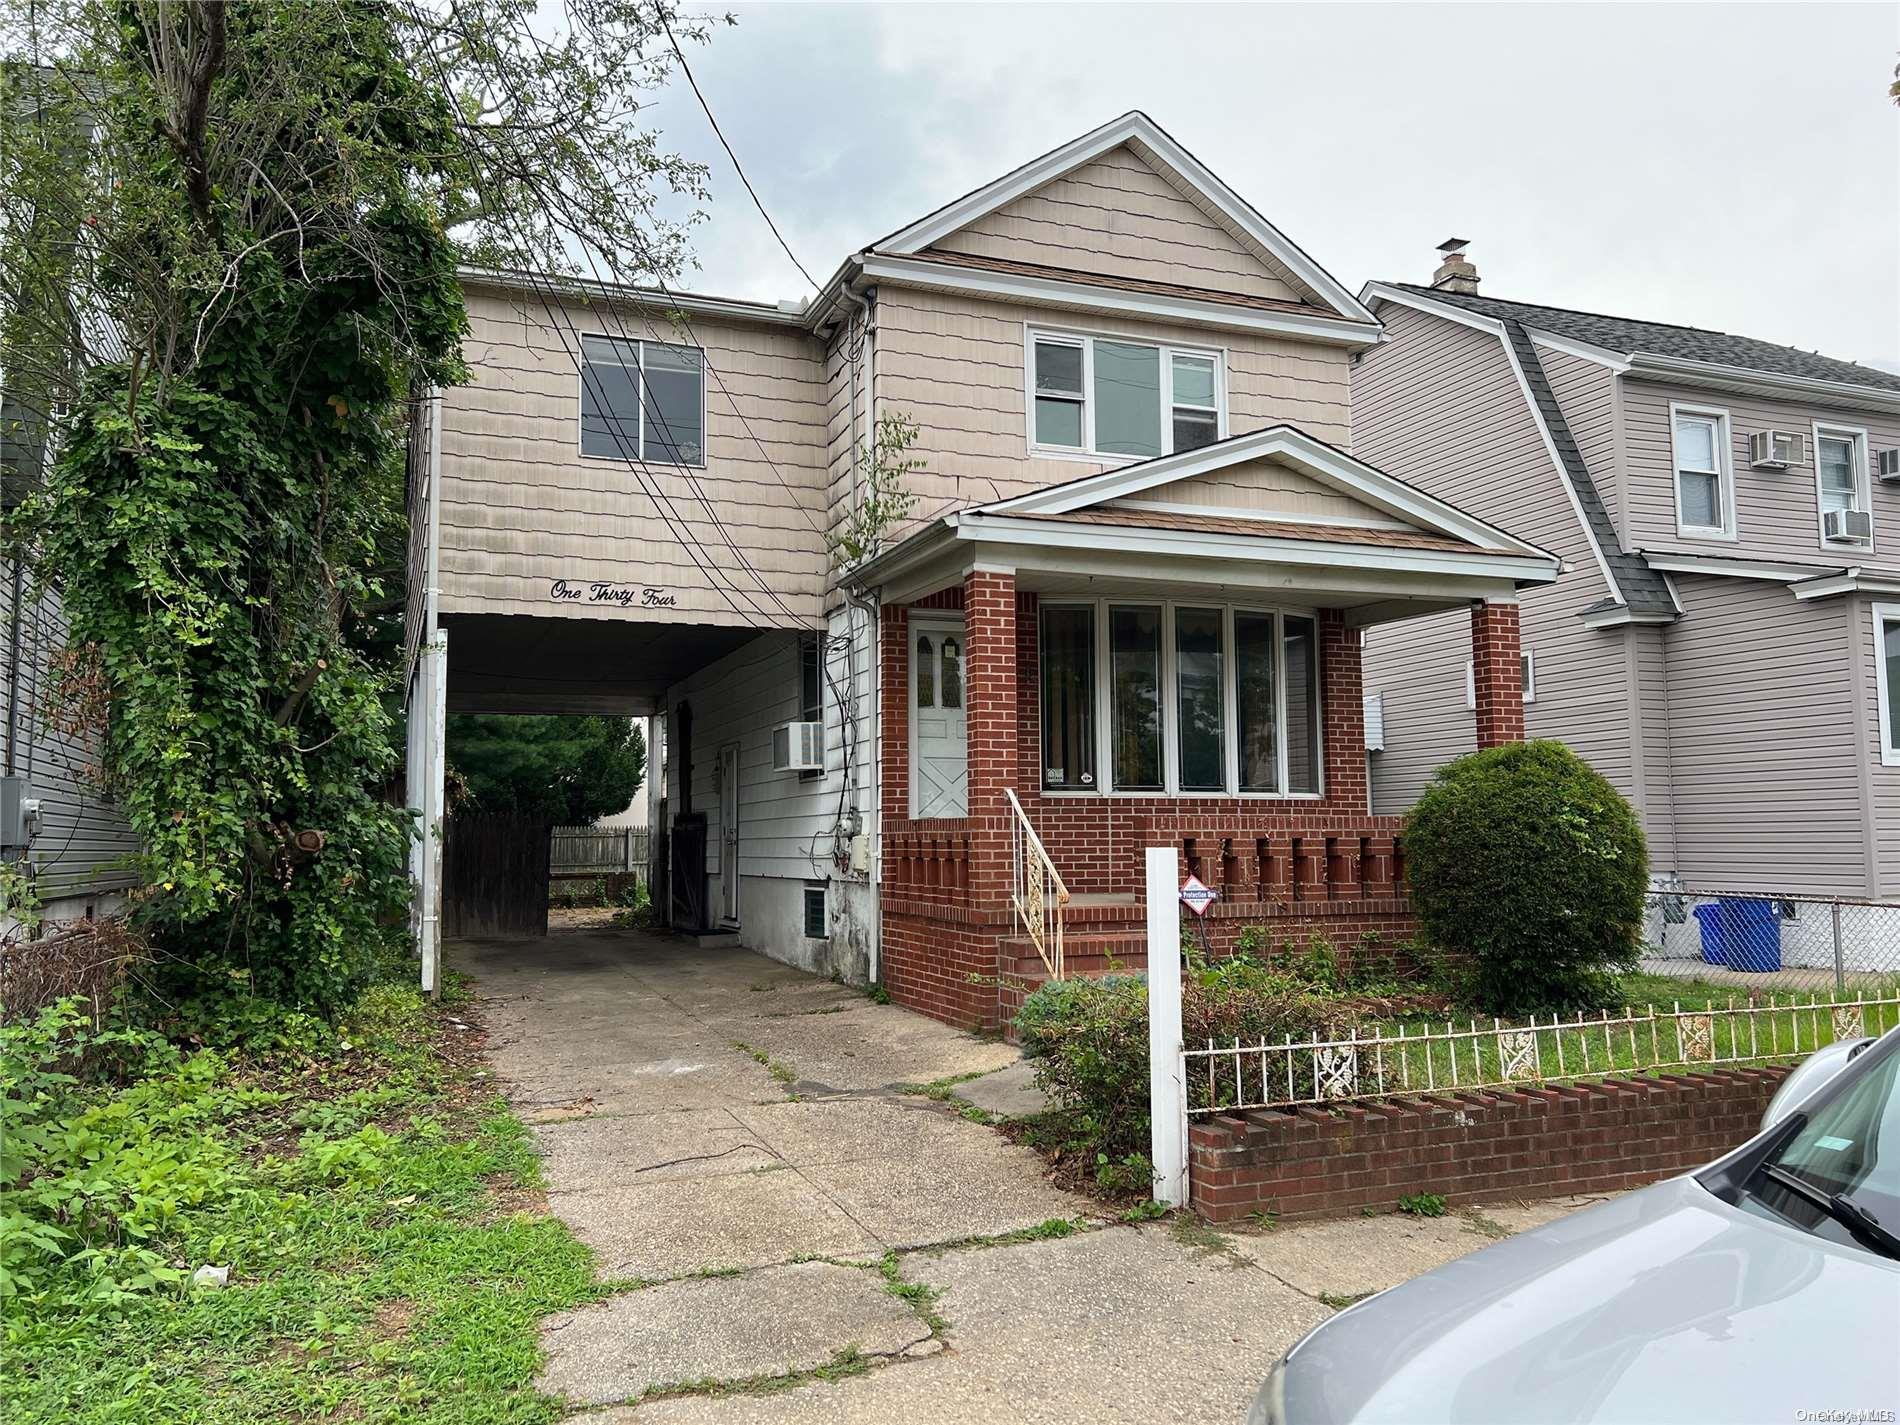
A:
(1036, 888)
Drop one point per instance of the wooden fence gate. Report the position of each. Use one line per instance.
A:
(495, 875)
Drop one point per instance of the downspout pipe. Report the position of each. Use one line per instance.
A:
(16, 619)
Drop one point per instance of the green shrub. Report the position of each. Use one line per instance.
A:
(1526, 861)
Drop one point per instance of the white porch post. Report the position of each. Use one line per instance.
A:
(432, 707)
(1167, 1095)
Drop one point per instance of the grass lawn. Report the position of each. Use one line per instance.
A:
(373, 1201)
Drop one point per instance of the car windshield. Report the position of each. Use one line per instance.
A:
(1850, 1147)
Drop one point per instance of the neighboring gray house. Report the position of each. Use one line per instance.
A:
(1724, 645)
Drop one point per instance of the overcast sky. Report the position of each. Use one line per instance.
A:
(1728, 166)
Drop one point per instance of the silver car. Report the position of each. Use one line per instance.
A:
(1765, 1287)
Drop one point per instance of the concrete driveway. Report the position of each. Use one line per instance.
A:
(803, 1235)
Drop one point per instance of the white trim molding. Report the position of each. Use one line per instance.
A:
(1081, 295)
(1154, 145)
(1734, 567)
(1884, 614)
(1745, 381)
(1854, 580)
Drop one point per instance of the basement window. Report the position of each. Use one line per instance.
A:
(815, 924)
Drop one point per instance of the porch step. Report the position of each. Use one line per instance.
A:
(715, 940)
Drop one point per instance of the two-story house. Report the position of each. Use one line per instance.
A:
(1725, 643)
(1124, 609)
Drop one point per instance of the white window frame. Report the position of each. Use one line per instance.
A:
(1724, 471)
(1527, 674)
(1170, 701)
(1884, 614)
(1086, 339)
(580, 396)
(1863, 483)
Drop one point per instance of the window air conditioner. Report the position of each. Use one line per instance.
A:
(1887, 464)
(1776, 449)
(798, 747)
(1848, 525)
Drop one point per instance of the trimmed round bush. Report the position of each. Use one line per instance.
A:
(1525, 860)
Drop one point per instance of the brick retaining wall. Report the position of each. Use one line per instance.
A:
(1472, 1147)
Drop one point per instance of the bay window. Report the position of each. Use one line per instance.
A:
(1191, 699)
(1104, 396)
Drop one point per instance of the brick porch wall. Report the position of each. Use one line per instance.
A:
(1472, 1147)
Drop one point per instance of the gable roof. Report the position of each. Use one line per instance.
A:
(1325, 464)
(1181, 168)
(1627, 336)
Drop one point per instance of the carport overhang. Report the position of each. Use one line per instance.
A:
(514, 663)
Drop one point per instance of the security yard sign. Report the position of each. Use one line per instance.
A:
(1197, 895)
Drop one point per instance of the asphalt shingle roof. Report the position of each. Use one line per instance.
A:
(1626, 335)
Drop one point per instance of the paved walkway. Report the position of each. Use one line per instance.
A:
(743, 1147)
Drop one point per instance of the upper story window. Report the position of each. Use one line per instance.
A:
(1100, 395)
(811, 684)
(1166, 699)
(642, 400)
(1705, 483)
(1887, 679)
(1841, 481)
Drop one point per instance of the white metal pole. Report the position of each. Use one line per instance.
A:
(433, 817)
(1167, 1094)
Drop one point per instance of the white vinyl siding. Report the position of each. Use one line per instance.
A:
(1104, 397)
(1705, 487)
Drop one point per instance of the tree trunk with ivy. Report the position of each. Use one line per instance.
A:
(253, 262)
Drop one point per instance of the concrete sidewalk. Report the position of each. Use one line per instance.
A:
(744, 1147)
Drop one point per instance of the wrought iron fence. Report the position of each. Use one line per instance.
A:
(1389, 1061)
(600, 851)
(1763, 939)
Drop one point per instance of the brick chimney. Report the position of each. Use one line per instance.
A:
(1455, 272)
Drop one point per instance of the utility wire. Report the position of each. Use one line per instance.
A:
(686, 69)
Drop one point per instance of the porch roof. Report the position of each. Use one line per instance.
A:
(1386, 551)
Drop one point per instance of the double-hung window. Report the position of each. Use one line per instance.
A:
(642, 400)
(1887, 679)
(1097, 395)
(811, 685)
(1199, 700)
(1841, 481)
(1705, 487)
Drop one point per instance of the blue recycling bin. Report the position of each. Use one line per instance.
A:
(1713, 925)
(1751, 934)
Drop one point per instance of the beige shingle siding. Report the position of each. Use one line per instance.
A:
(955, 365)
(1119, 216)
(1776, 511)
(1264, 487)
(521, 507)
(1764, 740)
(1482, 451)
(84, 840)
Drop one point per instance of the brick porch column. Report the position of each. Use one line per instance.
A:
(1497, 678)
(1343, 714)
(989, 629)
(894, 704)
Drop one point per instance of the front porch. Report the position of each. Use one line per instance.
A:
(1070, 677)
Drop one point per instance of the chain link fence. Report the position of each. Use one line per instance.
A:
(1772, 942)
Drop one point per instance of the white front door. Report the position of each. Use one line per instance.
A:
(939, 741)
(729, 833)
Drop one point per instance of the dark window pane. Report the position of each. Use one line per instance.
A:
(1058, 367)
(1302, 705)
(810, 685)
(952, 673)
(1890, 650)
(1197, 671)
(675, 399)
(1058, 422)
(610, 400)
(1135, 670)
(1127, 399)
(1253, 656)
(1194, 429)
(1068, 697)
(926, 660)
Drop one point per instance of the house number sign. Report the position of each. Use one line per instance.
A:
(600, 591)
